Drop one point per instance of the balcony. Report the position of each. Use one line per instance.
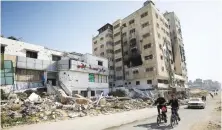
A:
(124, 38)
(132, 36)
(36, 64)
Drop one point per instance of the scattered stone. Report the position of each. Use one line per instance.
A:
(12, 96)
(53, 116)
(72, 115)
(48, 112)
(102, 102)
(35, 98)
(15, 107)
(68, 107)
(41, 115)
(45, 118)
(82, 114)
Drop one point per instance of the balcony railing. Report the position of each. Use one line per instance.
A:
(36, 64)
(132, 35)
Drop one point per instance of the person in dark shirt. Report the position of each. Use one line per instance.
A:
(161, 102)
(174, 105)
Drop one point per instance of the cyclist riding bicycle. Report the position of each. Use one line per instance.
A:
(174, 105)
(161, 103)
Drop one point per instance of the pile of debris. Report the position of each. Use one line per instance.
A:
(33, 109)
(198, 93)
(219, 107)
(213, 126)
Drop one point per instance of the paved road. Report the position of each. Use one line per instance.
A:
(188, 118)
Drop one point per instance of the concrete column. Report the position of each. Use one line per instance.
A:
(88, 93)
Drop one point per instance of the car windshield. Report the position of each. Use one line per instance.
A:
(195, 99)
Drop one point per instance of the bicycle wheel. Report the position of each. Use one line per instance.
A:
(176, 120)
(172, 121)
(158, 120)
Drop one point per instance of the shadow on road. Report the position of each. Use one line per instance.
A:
(195, 108)
(151, 126)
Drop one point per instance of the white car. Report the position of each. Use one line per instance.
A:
(196, 103)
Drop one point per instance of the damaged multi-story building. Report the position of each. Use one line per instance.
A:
(28, 66)
(145, 50)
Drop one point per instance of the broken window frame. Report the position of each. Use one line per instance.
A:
(32, 54)
(149, 69)
(117, 51)
(149, 81)
(2, 49)
(131, 21)
(137, 82)
(147, 46)
(132, 30)
(116, 26)
(136, 71)
(146, 35)
(100, 63)
(119, 68)
(116, 34)
(117, 42)
(102, 54)
(56, 58)
(149, 57)
(118, 60)
(143, 14)
(145, 24)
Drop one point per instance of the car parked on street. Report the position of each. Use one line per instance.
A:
(196, 103)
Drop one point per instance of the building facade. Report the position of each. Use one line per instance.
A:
(143, 53)
(34, 66)
(205, 84)
(177, 45)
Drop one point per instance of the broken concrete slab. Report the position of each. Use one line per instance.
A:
(35, 98)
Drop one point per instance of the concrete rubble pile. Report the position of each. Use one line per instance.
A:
(35, 109)
(198, 93)
(214, 125)
(219, 107)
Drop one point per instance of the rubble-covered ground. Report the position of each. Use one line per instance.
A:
(21, 109)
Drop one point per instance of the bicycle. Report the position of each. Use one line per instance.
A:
(174, 118)
(161, 116)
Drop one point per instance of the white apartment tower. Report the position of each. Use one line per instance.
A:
(139, 42)
(177, 44)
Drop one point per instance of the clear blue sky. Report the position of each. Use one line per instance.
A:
(69, 26)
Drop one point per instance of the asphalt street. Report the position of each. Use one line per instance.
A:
(188, 118)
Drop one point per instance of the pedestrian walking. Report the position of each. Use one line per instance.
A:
(211, 95)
